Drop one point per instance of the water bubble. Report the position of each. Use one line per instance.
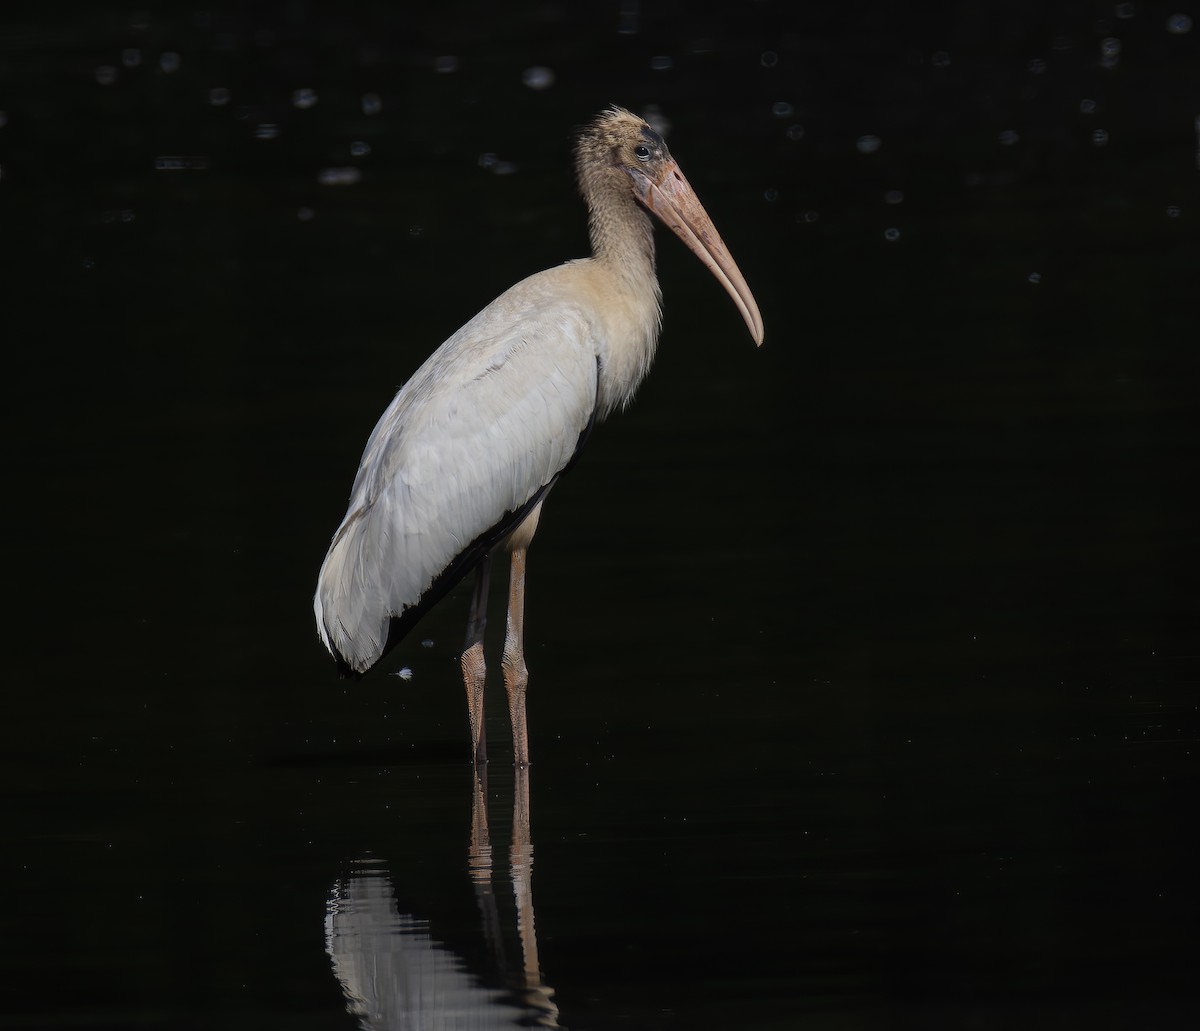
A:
(1179, 24)
(180, 163)
(894, 197)
(131, 57)
(1087, 107)
(795, 132)
(770, 195)
(266, 131)
(1099, 137)
(810, 216)
(446, 64)
(940, 59)
(106, 75)
(868, 144)
(662, 63)
(657, 121)
(769, 59)
(128, 215)
(427, 643)
(538, 77)
(1037, 66)
(305, 214)
(360, 149)
(782, 109)
(1110, 52)
(627, 19)
(494, 164)
(1034, 278)
(304, 99)
(347, 176)
(1008, 137)
(372, 104)
(1174, 211)
(169, 61)
(891, 234)
(219, 96)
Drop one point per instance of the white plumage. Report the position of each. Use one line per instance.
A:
(484, 424)
(471, 443)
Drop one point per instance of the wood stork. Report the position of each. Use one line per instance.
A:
(460, 463)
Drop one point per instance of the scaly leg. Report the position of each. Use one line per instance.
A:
(474, 668)
(516, 675)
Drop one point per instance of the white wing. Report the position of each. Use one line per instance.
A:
(485, 424)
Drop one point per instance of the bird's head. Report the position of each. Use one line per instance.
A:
(628, 153)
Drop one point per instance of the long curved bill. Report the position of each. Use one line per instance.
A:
(675, 203)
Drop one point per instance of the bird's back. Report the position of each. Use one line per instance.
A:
(482, 427)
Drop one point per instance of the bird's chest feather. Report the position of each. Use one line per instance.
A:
(624, 318)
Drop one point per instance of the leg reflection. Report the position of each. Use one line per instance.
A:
(532, 991)
(479, 866)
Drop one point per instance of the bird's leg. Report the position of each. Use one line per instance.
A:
(516, 676)
(474, 668)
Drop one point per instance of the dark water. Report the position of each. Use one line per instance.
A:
(864, 666)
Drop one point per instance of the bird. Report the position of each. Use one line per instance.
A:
(459, 465)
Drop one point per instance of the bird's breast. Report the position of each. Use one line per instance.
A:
(625, 316)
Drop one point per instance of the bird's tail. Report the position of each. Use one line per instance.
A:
(350, 605)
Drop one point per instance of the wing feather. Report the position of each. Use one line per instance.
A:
(479, 432)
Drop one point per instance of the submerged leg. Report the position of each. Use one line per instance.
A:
(474, 668)
(516, 675)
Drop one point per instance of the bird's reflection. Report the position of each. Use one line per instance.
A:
(395, 975)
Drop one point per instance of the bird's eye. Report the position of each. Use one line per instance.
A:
(642, 152)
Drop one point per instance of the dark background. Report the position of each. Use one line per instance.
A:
(864, 665)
